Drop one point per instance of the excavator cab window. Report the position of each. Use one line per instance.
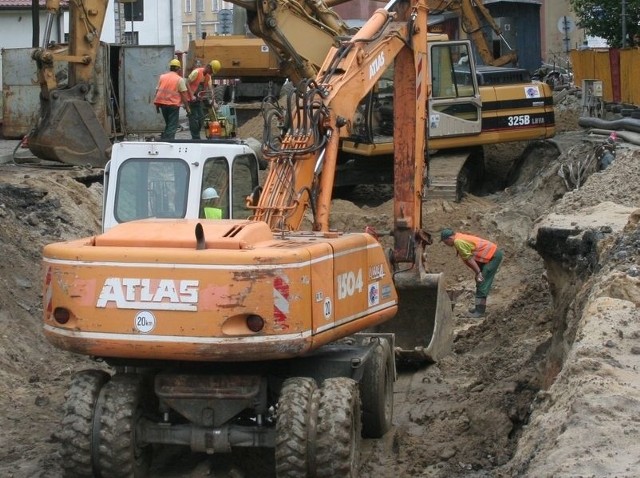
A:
(216, 175)
(451, 71)
(244, 180)
(454, 94)
(151, 188)
(232, 193)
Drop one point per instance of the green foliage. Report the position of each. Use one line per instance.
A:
(603, 18)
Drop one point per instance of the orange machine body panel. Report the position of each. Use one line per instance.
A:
(143, 290)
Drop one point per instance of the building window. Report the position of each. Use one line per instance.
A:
(134, 11)
(187, 6)
(215, 5)
(130, 38)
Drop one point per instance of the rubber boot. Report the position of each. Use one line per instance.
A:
(480, 307)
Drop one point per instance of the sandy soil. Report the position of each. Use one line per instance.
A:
(546, 385)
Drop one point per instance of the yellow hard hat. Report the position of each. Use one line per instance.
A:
(215, 66)
(175, 62)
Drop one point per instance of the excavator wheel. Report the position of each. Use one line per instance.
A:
(76, 430)
(120, 406)
(376, 389)
(293, 426)
(338, 429)
(221, 94)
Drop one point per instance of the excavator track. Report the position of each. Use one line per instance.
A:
(445, 178)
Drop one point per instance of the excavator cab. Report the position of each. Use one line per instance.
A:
(162, 180)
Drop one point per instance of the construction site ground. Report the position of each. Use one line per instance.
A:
(546, 385)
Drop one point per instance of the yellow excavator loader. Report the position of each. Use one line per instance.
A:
(250, 332)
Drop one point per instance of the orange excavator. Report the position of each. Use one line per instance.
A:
(252, 333)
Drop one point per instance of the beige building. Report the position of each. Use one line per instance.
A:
(210, 17)
(559, 30)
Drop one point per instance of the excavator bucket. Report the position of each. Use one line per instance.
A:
(423, 326)
(69, 132)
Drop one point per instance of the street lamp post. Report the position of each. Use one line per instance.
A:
(624, 23)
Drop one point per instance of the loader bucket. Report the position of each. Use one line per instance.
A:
(423, 326)
(69, 132)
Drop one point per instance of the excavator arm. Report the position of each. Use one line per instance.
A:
(68, 129)
(303, 159)
(472, 13)
(301, 32)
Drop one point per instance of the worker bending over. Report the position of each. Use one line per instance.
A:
(481, 256)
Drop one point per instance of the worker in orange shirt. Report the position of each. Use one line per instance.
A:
(199, 81)
(481, 256)
(171, 93)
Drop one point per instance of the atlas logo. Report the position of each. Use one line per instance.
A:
(376, 65)
(150, 294)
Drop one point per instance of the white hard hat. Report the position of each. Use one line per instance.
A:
(210, 193)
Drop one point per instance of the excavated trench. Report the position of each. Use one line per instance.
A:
(471, 413)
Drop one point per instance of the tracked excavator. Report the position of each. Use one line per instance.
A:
(68, 129)
(469, 106)
(251, 332)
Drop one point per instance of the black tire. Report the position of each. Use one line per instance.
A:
(338, 429)
(76, 428)
(119, 409)
(292, 427)
(220, 94)
(376, 390)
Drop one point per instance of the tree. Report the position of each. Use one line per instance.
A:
(603, 18)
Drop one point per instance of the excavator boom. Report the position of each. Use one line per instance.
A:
(307, 153)
(304, 160)
(472, 13)
(300, 32)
